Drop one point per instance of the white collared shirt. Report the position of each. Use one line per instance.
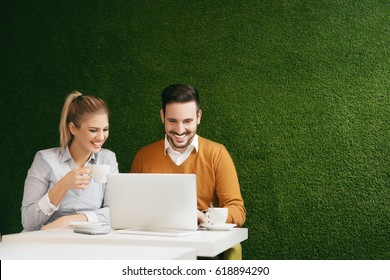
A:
(177, 157)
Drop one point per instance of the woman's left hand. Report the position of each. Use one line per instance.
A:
(64, 221)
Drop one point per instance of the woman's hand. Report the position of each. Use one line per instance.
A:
(78, 178)
(64, 221)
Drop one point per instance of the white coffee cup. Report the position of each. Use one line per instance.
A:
(217, 215)
(99, 172)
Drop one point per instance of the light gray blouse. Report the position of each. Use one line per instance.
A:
(48, 167)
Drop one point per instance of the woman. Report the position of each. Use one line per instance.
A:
(58, 188)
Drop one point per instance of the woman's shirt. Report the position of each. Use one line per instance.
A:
(50, 166)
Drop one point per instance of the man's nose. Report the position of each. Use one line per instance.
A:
(180, 129)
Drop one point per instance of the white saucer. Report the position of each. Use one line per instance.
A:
(222, 227)
(88, 225)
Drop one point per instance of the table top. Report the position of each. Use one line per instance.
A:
(206, 243)
(62, 251)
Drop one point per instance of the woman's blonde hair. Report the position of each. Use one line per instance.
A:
(77, 108)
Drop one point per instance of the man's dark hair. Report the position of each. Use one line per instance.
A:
(179, 93)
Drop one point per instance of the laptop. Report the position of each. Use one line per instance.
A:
(153, 204)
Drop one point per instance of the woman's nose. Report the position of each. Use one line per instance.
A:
(100, 135)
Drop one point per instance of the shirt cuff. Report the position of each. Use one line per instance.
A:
(91, 216)
(46, 206)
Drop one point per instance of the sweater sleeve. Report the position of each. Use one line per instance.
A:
(228, 188)
(136, 167)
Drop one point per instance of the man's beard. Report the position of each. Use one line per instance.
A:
(184, 145)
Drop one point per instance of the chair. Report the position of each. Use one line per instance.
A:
(233, 253)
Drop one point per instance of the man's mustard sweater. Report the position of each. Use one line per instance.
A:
(217, 180)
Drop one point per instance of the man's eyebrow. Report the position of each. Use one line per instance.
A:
(187, 119)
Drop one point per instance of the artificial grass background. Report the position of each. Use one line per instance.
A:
(298, 91)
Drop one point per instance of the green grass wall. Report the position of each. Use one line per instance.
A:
(298, 91)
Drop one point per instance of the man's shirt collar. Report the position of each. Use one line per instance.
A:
(194, 145)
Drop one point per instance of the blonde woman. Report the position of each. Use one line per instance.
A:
(58, 189)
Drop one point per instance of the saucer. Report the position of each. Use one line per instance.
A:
(88, 225)
(222, 227)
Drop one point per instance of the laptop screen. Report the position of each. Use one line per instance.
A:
(152, 201)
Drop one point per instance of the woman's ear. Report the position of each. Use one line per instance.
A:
(72, 128)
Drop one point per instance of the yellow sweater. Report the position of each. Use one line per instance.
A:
(217, 179)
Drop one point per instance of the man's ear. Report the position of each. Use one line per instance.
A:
(199, 116)
(162, 116)
(72, 128)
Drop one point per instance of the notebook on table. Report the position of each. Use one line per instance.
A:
(153, 204)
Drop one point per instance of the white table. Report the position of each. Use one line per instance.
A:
(62, 251)
(206, 243)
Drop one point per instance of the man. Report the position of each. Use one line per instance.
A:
(183, 151)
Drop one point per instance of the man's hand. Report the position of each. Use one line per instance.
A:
(201, 218)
